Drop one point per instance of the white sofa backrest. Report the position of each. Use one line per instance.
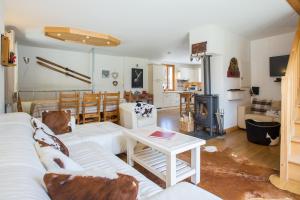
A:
(21, 171)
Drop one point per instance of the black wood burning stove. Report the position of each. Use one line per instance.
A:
(205, 108)
(206, 105)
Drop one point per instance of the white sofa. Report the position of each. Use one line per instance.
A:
(21, 171)
(129, 120)
(244, 113)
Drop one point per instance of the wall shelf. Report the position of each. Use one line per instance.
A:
(5, 52)
(235, 94)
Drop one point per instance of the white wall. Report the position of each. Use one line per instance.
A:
(123, 66)
(228, 45)
(35, 77)
(2, 98)
(261, 50)
(32, 76)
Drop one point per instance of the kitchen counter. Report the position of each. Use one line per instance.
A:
(181, 91)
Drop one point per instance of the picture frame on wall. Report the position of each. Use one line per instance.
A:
(137, 78)
(105, 73)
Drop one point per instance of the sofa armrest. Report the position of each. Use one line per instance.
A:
(242, 111)
(184, 190)
(127, 116)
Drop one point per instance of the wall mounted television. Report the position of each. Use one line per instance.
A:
(278, 65)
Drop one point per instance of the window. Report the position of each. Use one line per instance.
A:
(169, 77)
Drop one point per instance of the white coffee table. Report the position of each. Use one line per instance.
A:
(160, 158)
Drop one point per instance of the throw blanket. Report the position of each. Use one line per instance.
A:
(143, 109)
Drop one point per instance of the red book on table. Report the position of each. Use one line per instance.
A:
(162, 134)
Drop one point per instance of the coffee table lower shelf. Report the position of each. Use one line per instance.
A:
(156, 163)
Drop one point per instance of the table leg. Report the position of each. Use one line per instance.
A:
(171, 170)
(195, 163)
(130, 150)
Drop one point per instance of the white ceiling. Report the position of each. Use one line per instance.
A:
(147, 28)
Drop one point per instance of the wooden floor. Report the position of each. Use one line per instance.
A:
(237, 141)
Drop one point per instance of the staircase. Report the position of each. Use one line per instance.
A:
(289, 178)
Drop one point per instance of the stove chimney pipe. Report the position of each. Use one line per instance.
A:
(207, 81)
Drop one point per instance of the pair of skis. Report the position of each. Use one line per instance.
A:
(63, 70)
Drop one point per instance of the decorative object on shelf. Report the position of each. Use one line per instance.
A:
(81, 36)
(12, 58)
(63, 70)
(137, 78)
(198, 50)
(115, 83)
(115, 75)
(233, 69)
(105, 73)
(7, 58)
(26, 60)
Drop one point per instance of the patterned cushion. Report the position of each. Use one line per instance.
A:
(44, 139)
(58, 121)
(142, 109)
(90, 187)
(260, 106)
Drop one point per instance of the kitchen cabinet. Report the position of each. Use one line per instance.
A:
(157, 82)
(170, 99)
(162, 99)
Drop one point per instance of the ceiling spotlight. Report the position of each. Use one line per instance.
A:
(108, 42)
(58, 34)
(87, 37)
(83, 41)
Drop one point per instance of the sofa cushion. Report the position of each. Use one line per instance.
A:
(92, 187)
(38, 124)
(45, 139)
(58, 121)
(90, 155)
(55, 160)
(260, 106)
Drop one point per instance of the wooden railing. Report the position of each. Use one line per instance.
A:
(290, 90)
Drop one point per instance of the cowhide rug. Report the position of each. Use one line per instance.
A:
(230, 177)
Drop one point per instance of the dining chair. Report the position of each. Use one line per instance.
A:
(70, 101)
(19, 103)
(91, 107)
(111, 103)
(128, 96)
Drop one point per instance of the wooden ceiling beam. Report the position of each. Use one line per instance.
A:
(295, 4)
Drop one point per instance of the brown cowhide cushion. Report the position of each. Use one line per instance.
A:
(64, 187)
(44, 139)
(57, 121)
